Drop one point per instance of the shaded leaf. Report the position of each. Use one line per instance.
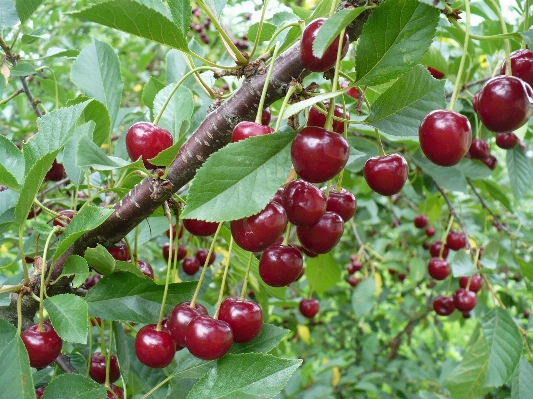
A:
(25, 8)
(23, 69)
(364, 297)
(522, 382)
(269, 337)
(462, 264)
(74, 386)
(520, 172)
(69, 317)
(181, 14)
(11, 164)
(77, 266)
(322, 272)
(178, 110)
(8, 14)
(100, 259)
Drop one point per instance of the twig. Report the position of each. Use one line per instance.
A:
(64, 364)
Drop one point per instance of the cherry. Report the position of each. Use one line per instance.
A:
(33, 213)
(207, 338)
(434, 249)
(91, 281)
(245, 318)
(39, 392)
(317, 118)
(146, 268)
(64, 221)
(353, 92)
(191, 265)
(56, 172)
(201, 255)
(154, 348)
(435, 73)
(278, 197)
(120, 251)
(179, 318)
(386, 175)
(182, 251)
(443, 305)
(430, 231)
(256, 233)
(504, 103)
(527, 313)
(318, 154)
(479, 149)
(506, 140)
(309, 307)
(182, 230)
(356, 265)
(438, 268)
(402, 276)
(464, 300)
(266, 116)
(304, 203)
(145, 140)
(456, 240)
(521, 65)
(476, 281)
(342, 202)
(280, 265)
(351, 268)
(246, 129)
(327, 61)
(115, 392)
(43, 345)
(491, 162)
(324, 235)
(97, 369)
(199, 227)
(421, 221)
(353, 281)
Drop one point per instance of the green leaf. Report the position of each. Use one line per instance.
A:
(525, 267)
(364, 297)
(23, 69)
(125, 356)
(128, 267)
(389, 47)
(138, 17)
(178, 110)
(522, 382)
(267, 31)
(98, 113)
(90, 156)
(8, 14)
(450, 178)
(322, 10)
(54, 90)
(166, 157)
(96, 71)
(88, 219)
(150, 90)
(505, 346)
(490, 255)
(322, 272)
(474, 169)
(520, 172)
(401, 108)
(11, 164)
(25, 8)
(8, 201)
(71, 148)
(77, 266)
(69, 317)
(496, 192)
(244, 376)
(269, 337)
(124, 296)
(301, 105)
(217, 6)
(181, 14)
(74, 386)
(17, 381)
(239, 180)
(462, 264)
(100, 259)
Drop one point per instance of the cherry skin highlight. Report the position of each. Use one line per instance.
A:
(97, 369)
(438, 268)
(179, 318)
(309, 307)
(304, 203)
(324, 235)
(443, 305)
(200, 228)
(521, 65)
(43, 346)
(342, 202)
(464, 300)
(421, 221)
(280, 265)
(245, 318)
(317, 118)
(506, 140)
(246, 129)
(154, 348)
(146, 140)
(479, 149)
(476, 281)
(386, 175)
(208, 339)
(146, 268)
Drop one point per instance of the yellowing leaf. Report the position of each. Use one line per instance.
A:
(304, 333)
(336, 376)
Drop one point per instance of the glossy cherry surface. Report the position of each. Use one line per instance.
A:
(506, 140)
(386, 175)
(280, 265)
(146, 268)
(182, 230)
(115, 392)
(190, 265)
(266, 116)
(256, 233)
(443, 305)
(438, 268)
(456, 240)
(208, 339)
(201, 255)
(342, 202)
(479, 149)
(120, 251)
(91, 281)
(304, 203)
(476, 281)
(245, 318)
(327, 61)
(317, 118)
(42, 346)
(56, 172)
(179, 318)
(318, 154)
(154, 348)
(491, 161)
(97, 369)
(322, 236)
(246, 129)
(356, 265)
(278, 197)
(39, 392)
(435, 73)
(353, 281)
(309, 307)
(521, 65)
(200, 228)
(146, 140)
(464, 300)
(421, 221)
(430, 231)
(434, 249)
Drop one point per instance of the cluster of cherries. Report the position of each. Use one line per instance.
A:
(353, 267)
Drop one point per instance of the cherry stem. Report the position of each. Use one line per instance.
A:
(506, 44)
(331, 110)
(443, 241)
(290, 92)
(328, 189)
(511, 35)
(287, 234)
(276, 33)
(380, 144)
(333, 7)
(259, 29)
(169, 265)
(222, 285)
(108, 354)
(526, 19)
(246, 275)
(265, 87)
(19, 313)
(190, 63)
(23, 256)
(458, 84)
(4, 289)
(43, 271)
(201, 279)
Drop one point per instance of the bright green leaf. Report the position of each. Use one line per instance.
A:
(90, 156)
(77, 266)
(217, 6)
(322, 272)
(74, 386)
(25, 8)
(178, 110)
(8, 201)
(98, 113)
(522, 382)
(75, 173)
(364, 297)
(69, 317)
(181, 14)
(11, 164)
(267, 31)
(462, 264)
(150, 90)
(520, 172)
(269, 337)
(100, 260)
(23, 69)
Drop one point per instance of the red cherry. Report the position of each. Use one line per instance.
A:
(64, 221)
(182, 230)
(154, 348)
(354, 93)
(182, 251)
(479, 149)
(97, 369)
(201, 255)
(421, 221)
(56, 172)
(146, 140)
(357, 265)
(304, 203)
(438, 268)
(208, 339)
(456, 240)
(199, 227)
(190, 265)
(476, 281)
(435, 73)
(430, 231)
(353, 281)
(342, 202)
(39, 392)
(278, 197)
(246, 129)
(521, 65)
(317, 118)
(327, 61)
(244, 317)
(504, 103)
(256, 233)
(506, 140)
(309, 307)
(318, 155)
(120, 251)
(265, 116)
(445, 137)
(491, 162)
(464, 300)
(324, 235)
(386, 175)
(351, 268)
(115, 392)
(179, 318)
(91, 281)
(434, 249)
(443, 305)
(146, 268)
(280, 265)
(43, 345)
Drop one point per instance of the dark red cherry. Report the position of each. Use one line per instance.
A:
(39, 392)
(64, 221)
(317, 118)
(120, 251)
(434, 249)
(91, 281)
(278, 197)
(430, 231)
(115, 392)
(476, 281)
(342, 202)
(464, 300)
(56, 172)
(199, 227)
(351, 268)
(443, 305)
(309, 307)
(146, 268)
(521, 65)
(179, 318)
(386, 175)
(256, 233)
(353, 281)
(245, 318)
(208, 339)
(266, 115)
(356, 265)
(304, 203)
(491, 161)
(456, 240)
(435, 73)
(324, 235)
(327, 61)
(154, 348)
(506, 140)
(504, 103)
(318, 155)
(43, 345)
(97, 369)
(182, 230)
(421, 221)
(182, 251)
(246, 129)
(479, 149)
(146, 140)
(190, 265)
(280, 265)
(438, 268)
(201, 255)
